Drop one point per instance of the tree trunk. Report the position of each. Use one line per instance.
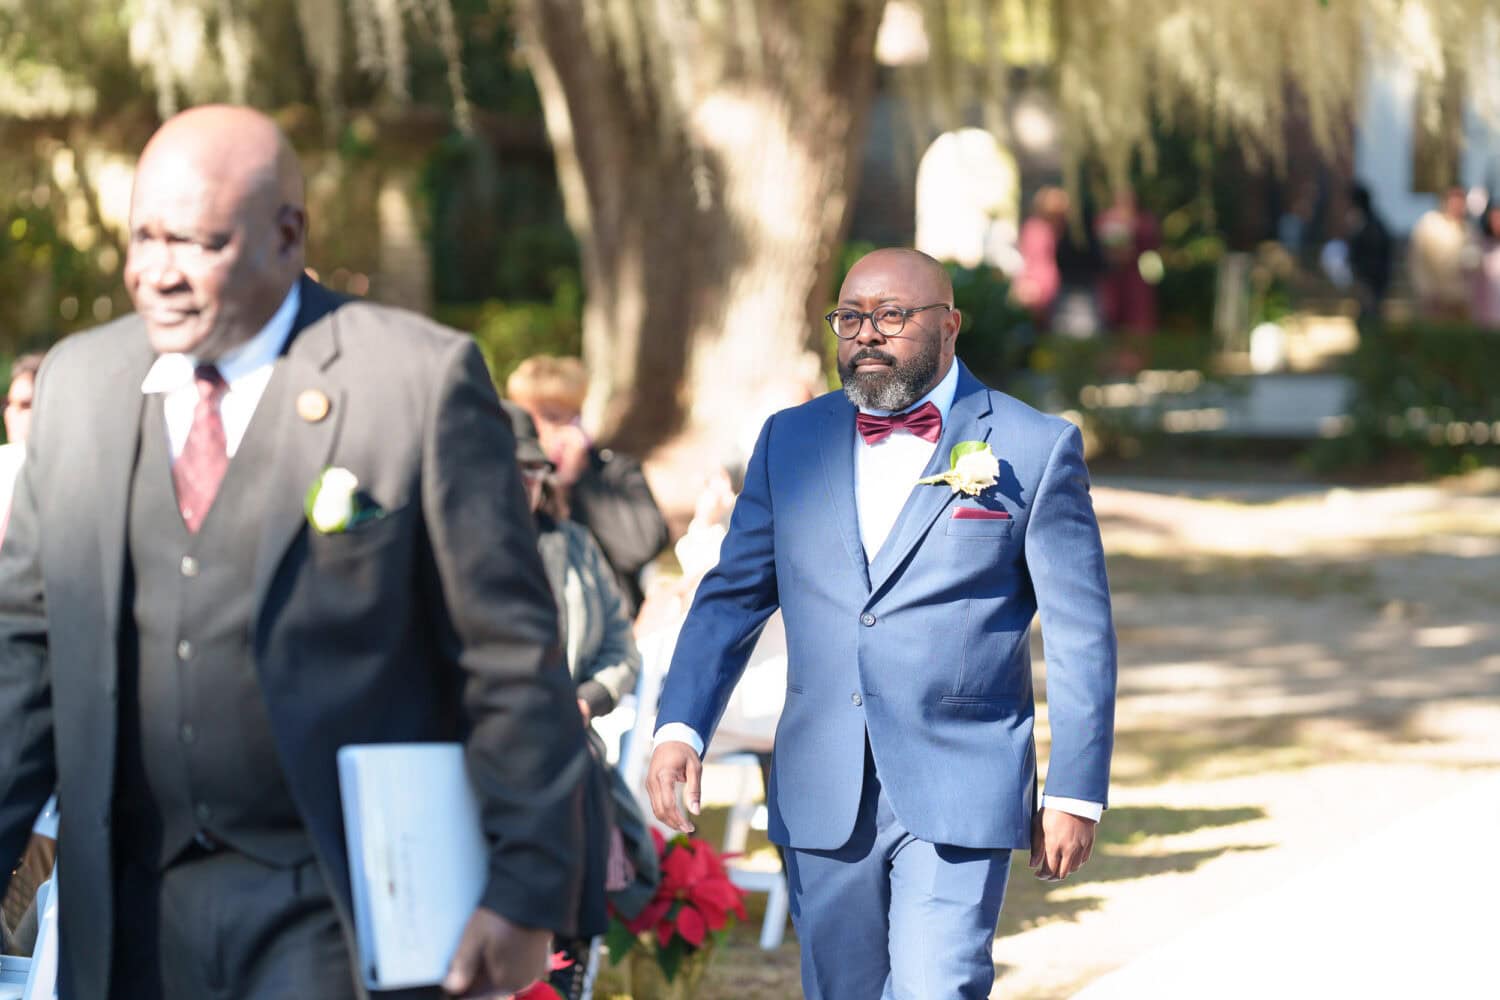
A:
(708, 223)
(404, 277)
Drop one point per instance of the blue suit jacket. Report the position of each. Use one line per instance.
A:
(925, 648)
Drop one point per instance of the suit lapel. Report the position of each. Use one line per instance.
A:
(117, 438)
(303, 446)
(838, 467)
(966, 422)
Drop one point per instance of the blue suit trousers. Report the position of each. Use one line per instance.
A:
(892, 917)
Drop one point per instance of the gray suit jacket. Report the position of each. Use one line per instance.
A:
(433, 622)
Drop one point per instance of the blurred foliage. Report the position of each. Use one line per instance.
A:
(50, 285)
(1422, 394)
(1068, 364)
(1067, 374)
(493, 216)
(497, 226)
(510, 331)
(996, 335)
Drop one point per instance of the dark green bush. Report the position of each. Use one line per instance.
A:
(1429, 394)
(509, 332)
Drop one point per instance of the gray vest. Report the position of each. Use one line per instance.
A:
(196, 751)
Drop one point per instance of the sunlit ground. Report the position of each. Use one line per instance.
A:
(1296, 674)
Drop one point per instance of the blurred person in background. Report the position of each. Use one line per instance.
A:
(1486, 280)
(1369, 254)
(598, 488)
(23, 372)
(18, 399)
(597, 640)
(1435, 258)
(1294, 226)
(604, 661)
(1127, 300)
(1075, 312)
(18, 914)
(1039, 281)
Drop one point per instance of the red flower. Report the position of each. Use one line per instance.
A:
(694, 898)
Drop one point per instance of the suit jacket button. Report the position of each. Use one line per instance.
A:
(189, 566)
(856, 699)
(204, 812)
(867, 619)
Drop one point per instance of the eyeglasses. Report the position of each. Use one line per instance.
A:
(888, 321)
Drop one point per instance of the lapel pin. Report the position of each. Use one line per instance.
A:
(312, 405)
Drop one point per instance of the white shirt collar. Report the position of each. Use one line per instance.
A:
(171, 372)
(940, 395)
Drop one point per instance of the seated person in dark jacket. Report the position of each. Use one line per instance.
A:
(605, 662)
(600, 489)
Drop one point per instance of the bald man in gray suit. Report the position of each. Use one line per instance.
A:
(182, 653)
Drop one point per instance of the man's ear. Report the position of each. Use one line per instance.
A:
(954, 321)
(291, 227)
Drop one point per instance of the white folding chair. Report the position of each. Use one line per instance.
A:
(35, 978)
(41, 979)
(749, 813)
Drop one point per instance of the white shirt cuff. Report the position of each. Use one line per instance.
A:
(679, 732)
(1077, 807)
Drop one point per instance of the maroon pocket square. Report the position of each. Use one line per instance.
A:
(979, 514)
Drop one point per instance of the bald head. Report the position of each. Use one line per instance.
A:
(904, 341)
(913, 272)
(217, 230)
(242, 148)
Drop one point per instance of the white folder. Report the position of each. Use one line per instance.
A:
(418, 859)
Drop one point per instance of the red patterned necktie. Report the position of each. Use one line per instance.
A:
(925, 422)
(199, 470)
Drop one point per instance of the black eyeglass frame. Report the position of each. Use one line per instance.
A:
(905, 314)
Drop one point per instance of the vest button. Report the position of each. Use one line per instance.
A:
(867, 619)
(856, 699)
(184, 650)
(188, 734)
(189, 566)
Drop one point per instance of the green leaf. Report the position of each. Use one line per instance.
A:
(670, 958)
(964, 448)
(619, 941)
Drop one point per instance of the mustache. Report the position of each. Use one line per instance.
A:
(871, 354)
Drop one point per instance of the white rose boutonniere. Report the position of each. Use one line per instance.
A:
(332, 504)
(972, 469)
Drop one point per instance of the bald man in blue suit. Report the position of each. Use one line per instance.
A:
(904, 770)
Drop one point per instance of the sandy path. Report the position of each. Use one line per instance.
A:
(1296, 676)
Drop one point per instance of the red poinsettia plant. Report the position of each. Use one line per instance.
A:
(694, 906)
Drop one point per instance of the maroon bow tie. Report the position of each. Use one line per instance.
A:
(925, 422)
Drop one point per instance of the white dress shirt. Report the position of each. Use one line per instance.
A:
(246, 370)
(884, 476)
(886, 473)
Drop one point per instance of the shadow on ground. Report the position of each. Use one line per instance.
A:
(1122, 852)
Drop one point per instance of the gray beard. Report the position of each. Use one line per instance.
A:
(897, 387)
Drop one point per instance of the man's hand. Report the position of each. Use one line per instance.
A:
(585, 711)
(568, 448)
(672, 764)
(1060, 843)
(496, 958)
